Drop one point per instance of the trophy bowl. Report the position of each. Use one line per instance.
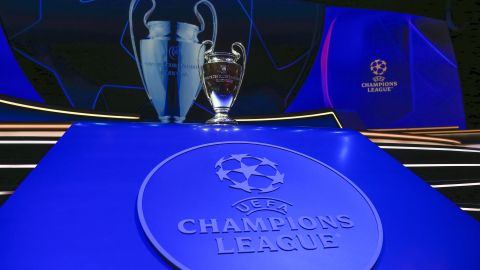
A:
(222, 78)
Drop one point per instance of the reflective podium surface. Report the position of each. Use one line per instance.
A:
(149, 196)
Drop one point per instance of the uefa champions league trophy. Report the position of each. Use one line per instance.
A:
(153, 65)
(222, 78)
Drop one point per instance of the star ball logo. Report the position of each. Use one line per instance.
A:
(379, 68)
(253, 174)
(249, 173)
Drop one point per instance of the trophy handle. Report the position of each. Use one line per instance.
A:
(238, 55)
(202, 21)
(133, 4)
(148, 13)
(200, 67)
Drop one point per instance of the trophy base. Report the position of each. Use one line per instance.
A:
(221, 119)
(178, 119)
(164, 119)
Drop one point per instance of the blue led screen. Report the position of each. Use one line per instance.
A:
(84, 49)
(301, 57)
(393, 70)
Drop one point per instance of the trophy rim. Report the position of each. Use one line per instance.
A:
(188, 25)
(219, 55)
(153, 23)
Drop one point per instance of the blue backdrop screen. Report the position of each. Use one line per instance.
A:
(390, 69)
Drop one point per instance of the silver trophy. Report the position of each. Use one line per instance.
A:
(163, 56)
(222, 78)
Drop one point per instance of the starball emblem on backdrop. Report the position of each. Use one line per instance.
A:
(379, 68)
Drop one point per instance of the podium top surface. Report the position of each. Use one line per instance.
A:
(79, 208)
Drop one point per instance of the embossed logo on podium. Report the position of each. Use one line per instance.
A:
(253, 174)
(261, 201)
(249, 173)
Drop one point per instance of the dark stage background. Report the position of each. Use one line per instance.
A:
(81, 41)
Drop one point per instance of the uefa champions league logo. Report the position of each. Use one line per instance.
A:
(253, 174)
(249, 173)
(379, 85)
(378, 67)
(320, 227)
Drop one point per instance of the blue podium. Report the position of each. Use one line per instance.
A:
(148, 196)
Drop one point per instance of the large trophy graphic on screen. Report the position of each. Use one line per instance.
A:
(163, 56)
(221, 77)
